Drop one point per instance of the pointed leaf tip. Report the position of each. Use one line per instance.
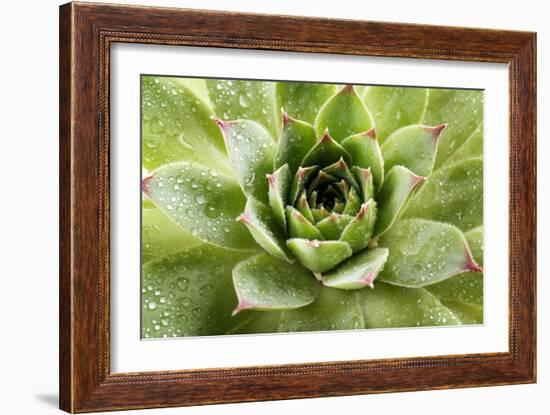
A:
(436, 131)
(416, 180)
(362, 211)
(286, 118)
(357, 272)
(263, 282)
(347, 89)
(271, 179)
(371, 133)
(145, 184)
(441, 252)
(243, 305)
(368, 280)
(471, 265)
(222, 124)
(243, 217)
(325, 137)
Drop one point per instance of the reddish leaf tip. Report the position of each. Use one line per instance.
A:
(145, 184)
(362, 211)
(416, 180)
(299, 217)
(471, 265)
(368, 279)
(371, 133)
(325, 137)
(271, 179)
(436, 131)
(243, 305)
(347, 89)
(341, 163)
(224, 127)
(286, 118)
(244, 218)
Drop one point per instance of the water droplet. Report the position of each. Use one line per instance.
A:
(200, 199)
(244, 101)
(183, 284)
(152, 305)
(205, 290)
(211, 211)
(186, 301)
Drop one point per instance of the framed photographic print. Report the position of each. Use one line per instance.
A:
(253, 208)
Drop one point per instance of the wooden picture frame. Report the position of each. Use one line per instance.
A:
(87, 32)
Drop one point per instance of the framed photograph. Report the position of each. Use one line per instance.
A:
(260, 207)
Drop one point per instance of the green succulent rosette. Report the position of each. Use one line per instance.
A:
(287, 206)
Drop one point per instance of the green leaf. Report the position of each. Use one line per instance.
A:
(325, 152)
(366, 153)
(263, 282)
(461, 110)
(202, 201)
(397, 187)
(251, 152)
(343, 115)
(395, 107)
(303, 207)
(177, 126)
(263, 227)
(198, 87)
(247, 100)
(424, 252)
(332, 226)
(296, 139)
(303, 174)
(358, 271)
(453, 194)
(189, 293)
(299, 226)
(390, 306)
(463, 294)
(279, 187)
(334, 310)
(359, 231)
(365, 181)
(413, 147)
(472, 147)
(161, 236)
(319, 213)
(303, 100)
(319, 256)
(353, 203)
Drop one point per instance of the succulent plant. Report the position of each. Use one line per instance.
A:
(288, 206)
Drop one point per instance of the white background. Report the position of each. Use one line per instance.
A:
(129, 354)
(28, 224)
